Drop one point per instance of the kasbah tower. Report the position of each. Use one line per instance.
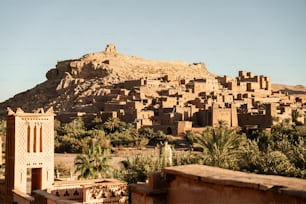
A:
(30, 151)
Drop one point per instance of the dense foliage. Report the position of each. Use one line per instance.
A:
(138, 168)
(74, 136)
(93, 162)
(280, 151)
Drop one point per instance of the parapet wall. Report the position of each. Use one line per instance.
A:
(211, 185)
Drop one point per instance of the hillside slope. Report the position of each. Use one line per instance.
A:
(73, 84)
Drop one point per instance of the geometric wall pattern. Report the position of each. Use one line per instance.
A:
(29, 148)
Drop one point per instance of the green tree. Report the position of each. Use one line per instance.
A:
(276, 162)
(146, 133)
(138, 168)
(71, 137)
(96, 123)
(281, 151)
(93, 162)
(252, 159)
(191, 138)
(299, 157)
(112, 124)
(99, 137)
(221, 146)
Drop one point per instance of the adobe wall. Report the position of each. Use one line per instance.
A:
(204, 118)
(183, 126)
(116, 105)
(169, 102)
(169, 118)
(29, 146)
(195, 184)
(2, 189)
(167, 129)
(248, 119)
(23, 198)
(139, 198)
(184, 190)
(143, 194)
(130, 84)
(186, 112)
(220, 114)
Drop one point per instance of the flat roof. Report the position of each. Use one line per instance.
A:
(208, 174)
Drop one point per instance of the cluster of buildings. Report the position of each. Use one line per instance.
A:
(176, 105)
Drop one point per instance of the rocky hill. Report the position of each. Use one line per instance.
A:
(74, 84)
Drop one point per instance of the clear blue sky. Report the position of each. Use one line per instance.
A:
(263, 36)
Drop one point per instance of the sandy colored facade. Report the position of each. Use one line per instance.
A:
(29, 167)
(29, 148)
(162, 103)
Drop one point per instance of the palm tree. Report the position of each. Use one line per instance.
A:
(112, 124)
(190, 138)
(221, 146)
(222, 124)
(93, 163)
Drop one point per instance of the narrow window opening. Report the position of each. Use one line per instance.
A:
(29, 139)
(34, 140)
(40, 139)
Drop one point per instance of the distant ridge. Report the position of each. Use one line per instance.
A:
(295, 91)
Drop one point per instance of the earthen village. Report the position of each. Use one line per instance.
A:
(175, 104)
(172, 97)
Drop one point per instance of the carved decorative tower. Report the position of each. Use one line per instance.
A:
(29, 151)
